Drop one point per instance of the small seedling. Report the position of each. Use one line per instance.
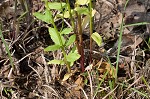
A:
(58, 37)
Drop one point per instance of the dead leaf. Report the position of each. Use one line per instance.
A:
(79, 82)
(5, 8)
(89, 67)
(110, 4)
(129, 41)
(104, 67)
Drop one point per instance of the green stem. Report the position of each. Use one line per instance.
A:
(73, 25)
(62, 48)
(71, 18)
(120, 38)
(119, 47)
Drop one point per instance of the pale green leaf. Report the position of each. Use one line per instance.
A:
(66, 14)
(66, 31)
(54, 35)
(71, 57)
(74, 48)
(72, 39)
(82, 2)
(97, 38)
(63, 39)
(47, 17)
(56, 5)
(52, 48)
(82, 10)
(55, 61)
(67, 76)
(71, 63)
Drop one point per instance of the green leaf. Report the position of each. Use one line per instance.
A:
(71, 57)
(74, 48)
(66, 31)
(56, 5)
(47, 17)
(54, 35)
(52, 48)
(55, 61)
(97, 38)
(66, 14)
(72, 38)
(82, 10)
(71, 63)
(82, 2)
(63, 39)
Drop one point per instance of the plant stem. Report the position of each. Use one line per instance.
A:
(61, 42)
(80, 43)
(79, 36)
(71, 18)
(119, 47)
(119, 43)
(91, 29)
(73, 25)
(62, 48)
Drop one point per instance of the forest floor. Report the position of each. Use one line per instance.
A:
(25, 73)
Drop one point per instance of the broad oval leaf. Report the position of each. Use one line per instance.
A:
(66, 14)
(52, 48)
(71, 57)
(55, 61)
(56, 5)
(97, 38)
(66, 31)
(72, 39)
(82, 2)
